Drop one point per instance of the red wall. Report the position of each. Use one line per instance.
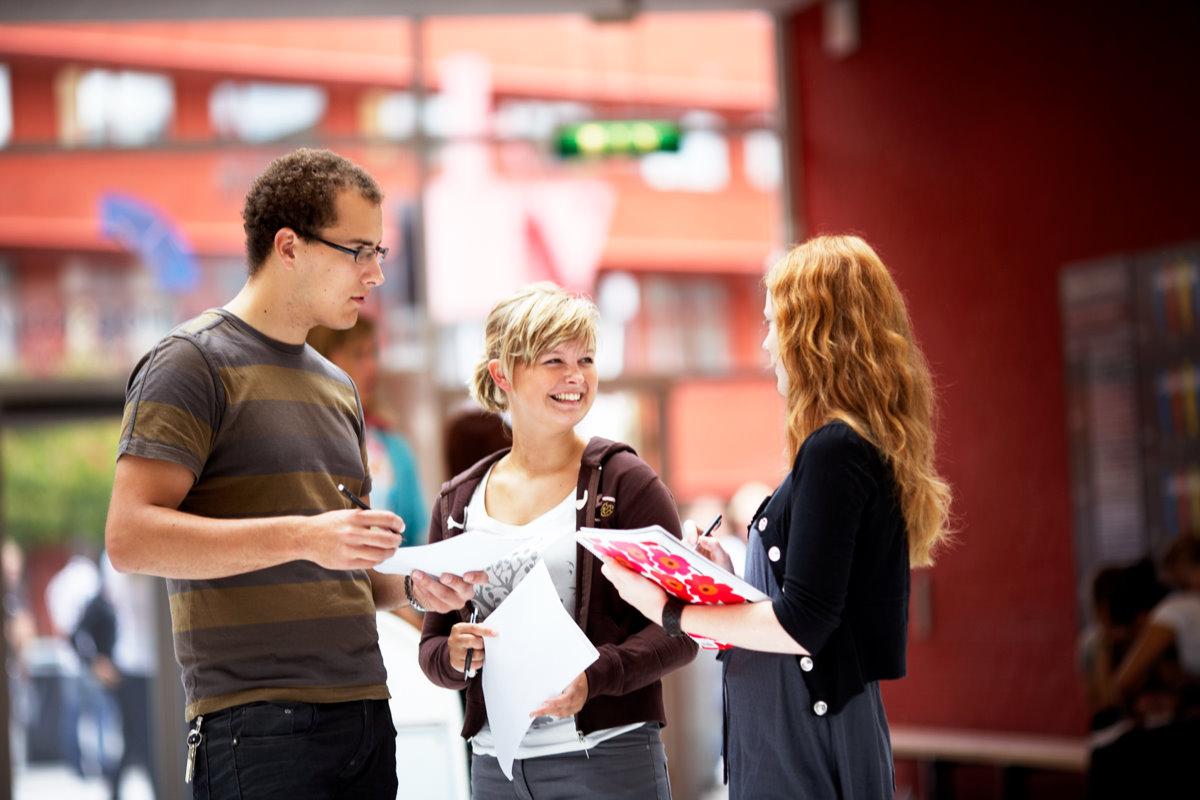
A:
(979, 147)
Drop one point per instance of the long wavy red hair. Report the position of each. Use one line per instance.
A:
(847, 347)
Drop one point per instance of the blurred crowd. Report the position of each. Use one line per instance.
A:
(1141, 665)
(82, 695)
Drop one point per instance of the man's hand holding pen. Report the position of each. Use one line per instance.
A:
(349, 538)
(441, 594)
(353, 538)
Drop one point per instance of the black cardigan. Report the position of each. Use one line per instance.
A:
(837, 544)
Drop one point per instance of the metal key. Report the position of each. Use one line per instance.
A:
(194, 738)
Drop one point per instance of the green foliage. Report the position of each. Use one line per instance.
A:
(57, 480)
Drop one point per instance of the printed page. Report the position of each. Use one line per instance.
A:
(473, 550)
(537, 652)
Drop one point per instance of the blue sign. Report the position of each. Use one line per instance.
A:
(148, 232)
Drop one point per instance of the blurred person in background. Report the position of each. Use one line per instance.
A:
(82, 615)
(236, 437)
(395, 479)
(833, 546)
(133, 600)
(702, 678)
(1172, 632)
(1158, 681)
(1179, 564)
(599, 738)
(19, 631)
(1122, 599)
(743, 506)
(471, 434)
(705, 509)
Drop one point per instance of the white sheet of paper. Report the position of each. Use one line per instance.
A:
(468, 551)
(537, 652)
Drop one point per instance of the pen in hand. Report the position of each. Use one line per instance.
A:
(356, 500)
(353, 498)
(467, 671)
(713, 526)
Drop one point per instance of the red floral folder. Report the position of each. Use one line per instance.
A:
(677, 568)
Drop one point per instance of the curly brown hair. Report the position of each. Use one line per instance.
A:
(298, 191)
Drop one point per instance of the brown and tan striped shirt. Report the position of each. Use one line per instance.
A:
(269, 429)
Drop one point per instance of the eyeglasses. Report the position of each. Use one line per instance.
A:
(362, 255)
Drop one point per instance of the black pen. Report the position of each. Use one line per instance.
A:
(713, 526)
(471, 650)
(356, 500)
(352, 497)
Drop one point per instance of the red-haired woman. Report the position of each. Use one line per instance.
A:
(832, 546)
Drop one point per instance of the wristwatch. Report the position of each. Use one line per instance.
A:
(672, 614)
(412, 600)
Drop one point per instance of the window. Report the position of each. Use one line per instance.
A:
(122, 108)
(686, 326)
(762, 159)
(536, 120)
(702, 163)
(265, 112)
(389, 115)
(393, 115)
(9, 353)
(5, 106)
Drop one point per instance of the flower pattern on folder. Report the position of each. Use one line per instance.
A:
(670, 563)
(708, 590)
(674, 573)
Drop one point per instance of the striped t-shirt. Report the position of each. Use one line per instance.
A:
(268, 429)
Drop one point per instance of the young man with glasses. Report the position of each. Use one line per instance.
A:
(235, 440)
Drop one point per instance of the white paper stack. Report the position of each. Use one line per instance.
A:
(537, 652)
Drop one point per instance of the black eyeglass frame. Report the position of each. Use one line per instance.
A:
(363, 253)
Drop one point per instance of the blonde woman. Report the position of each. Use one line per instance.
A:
(833, 544)
(600, 737)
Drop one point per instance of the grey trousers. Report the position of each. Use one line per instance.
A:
(632, 766)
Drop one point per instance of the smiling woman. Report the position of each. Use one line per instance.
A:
(539, 365)
(536, 326)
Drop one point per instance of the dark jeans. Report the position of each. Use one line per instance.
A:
(297, 750)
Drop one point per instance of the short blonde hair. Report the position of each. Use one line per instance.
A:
(520, 328)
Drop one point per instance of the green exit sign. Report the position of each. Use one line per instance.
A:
(617, 138)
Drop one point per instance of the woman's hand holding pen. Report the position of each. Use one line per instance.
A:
(706, 544)
(466, 636)
(349, 538)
